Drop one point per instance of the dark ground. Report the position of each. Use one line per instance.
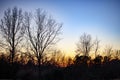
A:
(83, 69)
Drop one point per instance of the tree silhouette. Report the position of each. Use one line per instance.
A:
(12, 30)
(108, 50)
(117, 54)
(85, 44)
(96, 45)
(45, 34)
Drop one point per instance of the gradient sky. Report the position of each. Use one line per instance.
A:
(100, 18)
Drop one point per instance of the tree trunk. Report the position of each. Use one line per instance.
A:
(13, 52)
(39, 67)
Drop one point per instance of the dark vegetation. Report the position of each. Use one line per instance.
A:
(83, 68)
(40, 60)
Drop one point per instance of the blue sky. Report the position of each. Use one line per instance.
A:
(100, 18)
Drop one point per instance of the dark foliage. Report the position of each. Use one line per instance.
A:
(84, 68)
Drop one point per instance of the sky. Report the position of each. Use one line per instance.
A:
(99, 18)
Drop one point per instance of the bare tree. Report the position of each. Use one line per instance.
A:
(57, 58)
(116, 54)
(85, 44)
(12, 30)
(96, 45)
(108, 51)
(44, 34)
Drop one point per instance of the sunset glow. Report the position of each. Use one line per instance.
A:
(59, 39)
(98, 18)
